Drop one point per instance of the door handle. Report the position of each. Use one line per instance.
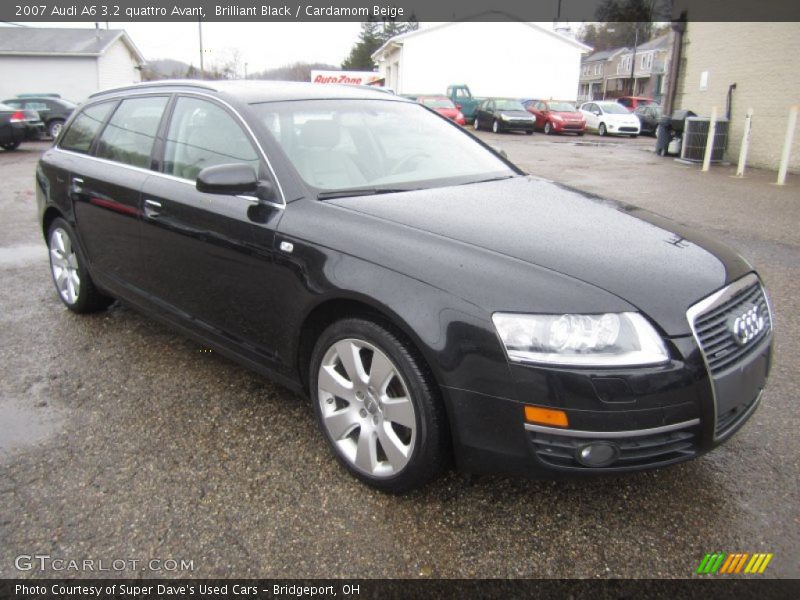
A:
(77, 185)
(152, 208)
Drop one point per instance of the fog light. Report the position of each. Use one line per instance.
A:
(597, 454)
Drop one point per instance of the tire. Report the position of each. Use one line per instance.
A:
(393, 454)
(73, 284)
(548, 129)
(601, 129)
(475, 124)
(580, 134)
(634, 135)
(54, 128)
(11, 146)
(529, 132)
(496, 126)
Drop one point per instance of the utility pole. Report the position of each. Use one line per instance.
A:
(200, 34)
(633, 60)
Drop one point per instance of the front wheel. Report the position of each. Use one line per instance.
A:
(74, 285)
(548, 129)
(377, 406)
(529, 132)
(495, 126)
(634, 135)
(475, 124)
(601, 130)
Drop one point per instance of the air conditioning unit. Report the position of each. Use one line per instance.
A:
(695, 137)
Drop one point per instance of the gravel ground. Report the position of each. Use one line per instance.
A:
(123, 440)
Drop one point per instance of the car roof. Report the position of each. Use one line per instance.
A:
(252, 91)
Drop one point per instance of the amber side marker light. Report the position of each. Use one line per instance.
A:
(546, 416)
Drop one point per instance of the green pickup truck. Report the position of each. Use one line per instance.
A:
(464, 100)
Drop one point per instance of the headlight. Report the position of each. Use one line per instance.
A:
(623, 339)
(503, 118)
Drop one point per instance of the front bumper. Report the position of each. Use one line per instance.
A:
(517, 125)
(651, 417)
(569, 126)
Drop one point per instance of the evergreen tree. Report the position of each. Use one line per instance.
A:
(373, 35)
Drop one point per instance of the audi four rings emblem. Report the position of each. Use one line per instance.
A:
(745, 327)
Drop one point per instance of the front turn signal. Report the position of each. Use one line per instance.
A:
(546, 416)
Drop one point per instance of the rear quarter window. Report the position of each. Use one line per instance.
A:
(82, 131)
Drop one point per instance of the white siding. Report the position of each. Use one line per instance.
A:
(494, 59)
(117, 67)
(73, 78)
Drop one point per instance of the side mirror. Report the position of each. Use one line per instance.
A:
(597, 113)
(458, 106)
(229, 179)
(500, 151)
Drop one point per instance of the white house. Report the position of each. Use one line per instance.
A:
(513, 59)
(71, 62)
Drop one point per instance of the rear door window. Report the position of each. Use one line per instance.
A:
(129, 136)
(84, 128)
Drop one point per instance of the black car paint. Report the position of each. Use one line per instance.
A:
(486, 114)
(416, 259)
(56, 109)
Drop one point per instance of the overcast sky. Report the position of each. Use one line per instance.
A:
(261, 45)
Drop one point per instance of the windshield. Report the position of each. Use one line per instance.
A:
(508, 105)
(612, 108)
(376, 144)
(438, 102)
(561, 107)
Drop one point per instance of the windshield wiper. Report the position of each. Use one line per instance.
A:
(359, 192)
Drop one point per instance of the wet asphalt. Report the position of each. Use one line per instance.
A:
(121, 440)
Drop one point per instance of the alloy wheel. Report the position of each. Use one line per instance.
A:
(366, 408)
(64, 265)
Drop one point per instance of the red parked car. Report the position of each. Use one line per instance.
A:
(444, 106)
(553, 116)
(634, 102)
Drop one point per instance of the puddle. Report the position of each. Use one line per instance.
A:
(26, 423)
(595, 144)
(11, 256)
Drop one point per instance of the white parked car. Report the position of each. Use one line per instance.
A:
(610, 118)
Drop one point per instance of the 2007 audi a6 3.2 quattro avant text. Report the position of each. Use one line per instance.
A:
(432, 300)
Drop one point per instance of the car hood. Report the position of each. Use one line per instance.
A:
(655, 264)
(516, 114)
(568, 114)
(450, 113)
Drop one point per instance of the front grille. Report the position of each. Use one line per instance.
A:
(714, 335)
(634, 452)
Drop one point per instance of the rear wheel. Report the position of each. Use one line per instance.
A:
(601, 130)
(377, 406)
(74, 285)
(54, 128)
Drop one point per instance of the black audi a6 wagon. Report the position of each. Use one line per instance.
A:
(431, 299)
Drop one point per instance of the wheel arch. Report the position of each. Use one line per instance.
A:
(51, 213)
(330, 310)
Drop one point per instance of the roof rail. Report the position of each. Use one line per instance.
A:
(160, 83)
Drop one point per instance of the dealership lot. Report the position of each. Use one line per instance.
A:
(123, 440)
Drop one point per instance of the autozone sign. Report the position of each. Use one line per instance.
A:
(348, 77)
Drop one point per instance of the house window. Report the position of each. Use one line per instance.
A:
(646, 61)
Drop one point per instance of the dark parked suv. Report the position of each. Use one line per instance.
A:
(430, 308)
